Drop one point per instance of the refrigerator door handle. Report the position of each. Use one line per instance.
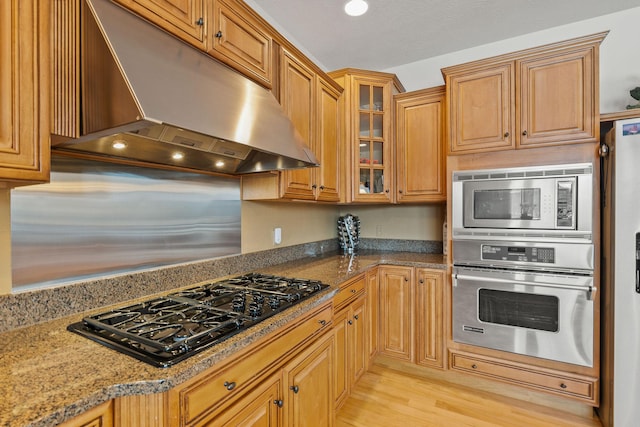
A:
(638, 263)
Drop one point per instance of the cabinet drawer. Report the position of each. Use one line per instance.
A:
(348, 292)
(577, 387)
(213, 388)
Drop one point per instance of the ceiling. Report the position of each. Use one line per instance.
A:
(397, 32)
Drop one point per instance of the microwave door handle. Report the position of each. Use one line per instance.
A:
(590, 290)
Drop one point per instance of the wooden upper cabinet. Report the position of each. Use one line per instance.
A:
(559, 98)
(297, 96)
(237, 38)
(368, 100)
(313, 103)
(420, 146)
(183, 18)
(481, 109)
(24, 91)
(328, 177)
(542, 96)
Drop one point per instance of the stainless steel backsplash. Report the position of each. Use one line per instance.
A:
(95, 219)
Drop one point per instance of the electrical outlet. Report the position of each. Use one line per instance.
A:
(277, 236)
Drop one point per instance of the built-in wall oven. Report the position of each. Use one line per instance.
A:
(523, 258)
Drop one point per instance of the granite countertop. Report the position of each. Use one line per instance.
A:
(49, 375)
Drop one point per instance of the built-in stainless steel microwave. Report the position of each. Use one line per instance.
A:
(534, 202)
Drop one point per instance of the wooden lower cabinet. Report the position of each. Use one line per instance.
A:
(396, 312)
(201, 400)
(411, 315)
(259, 408)
(100, 416)
(373, 297)
(308, 380)
(350, 328)
(577, 387)
(429, 318)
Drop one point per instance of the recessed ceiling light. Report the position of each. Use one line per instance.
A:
(356, 7)
(177, 156)
(219, 164)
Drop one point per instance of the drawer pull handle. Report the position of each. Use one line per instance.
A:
(563, 385)
(294, 388)
(322, 322)
(278, 403)
(474, 366)
(230, 385)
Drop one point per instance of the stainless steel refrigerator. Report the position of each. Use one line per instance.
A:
(620, 332)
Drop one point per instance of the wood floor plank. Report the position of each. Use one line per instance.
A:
(387, 398)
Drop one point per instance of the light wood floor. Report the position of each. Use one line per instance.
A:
(386, 397)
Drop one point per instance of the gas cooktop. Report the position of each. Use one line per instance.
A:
(165, 330)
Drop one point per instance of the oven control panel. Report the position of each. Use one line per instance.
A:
(518, 253)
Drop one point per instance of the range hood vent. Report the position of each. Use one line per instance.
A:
(134, 92)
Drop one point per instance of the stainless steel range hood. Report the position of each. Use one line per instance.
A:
(148, 97)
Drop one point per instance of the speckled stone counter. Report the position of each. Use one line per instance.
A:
(49, 375)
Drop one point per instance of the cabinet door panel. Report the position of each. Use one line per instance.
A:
(309, 382)
(341, 389)
(373, 299)
(328, 143)
(237, 39)
(420, 146)
(24, 91)
(358, 340)
(257, 409)
(557, 100)
(297, 99)
(396, 312)
(480, 110)
(429, 314)
(182, 18)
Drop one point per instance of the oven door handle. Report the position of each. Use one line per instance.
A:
(590, 290)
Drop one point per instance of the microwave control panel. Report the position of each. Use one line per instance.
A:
(518, 253)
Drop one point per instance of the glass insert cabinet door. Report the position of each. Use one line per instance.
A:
(372, 139)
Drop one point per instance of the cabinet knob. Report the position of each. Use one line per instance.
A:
(353, 291)
(322, 322)
(355, 317)
(406, 279)
(524, 133)
(386, 191)
(200, 21)
(563, 385)
(219, 34)
(294, 388)
(229, 385)
(278, 403)
(506, 134)
(350, 322)
(400, 191)
(314, 186)
(474, 366)
(421, 281)
(322, 187)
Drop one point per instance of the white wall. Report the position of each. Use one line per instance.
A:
(619, 57)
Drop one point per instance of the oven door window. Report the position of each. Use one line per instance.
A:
(512, 203)
(532, 311)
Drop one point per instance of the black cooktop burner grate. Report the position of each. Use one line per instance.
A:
(165, 330)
